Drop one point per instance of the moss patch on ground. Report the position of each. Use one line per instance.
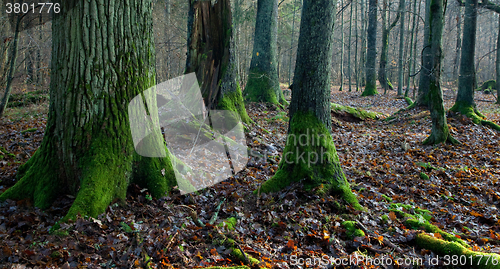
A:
(355, 112)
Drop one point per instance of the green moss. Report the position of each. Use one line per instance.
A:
(424, 176)
(474, 259)
(233, 101)
(351, 229)
(471, 112)
(260, 88)
(314, 160)
(30, 130)
(356, 112)
(387, 198)
(488, 85)
(421, 220)
(408, 100)
(229, 223)
(370, 89)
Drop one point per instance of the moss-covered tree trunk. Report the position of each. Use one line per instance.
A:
(310, 152)
(426, 65)
(386, 30)
(102, 57)
(371, 53)
(465, 96)
(263, 83)
(211, 56)
(439, 132)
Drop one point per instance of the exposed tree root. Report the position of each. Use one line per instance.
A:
(473, 114)
(473, 259)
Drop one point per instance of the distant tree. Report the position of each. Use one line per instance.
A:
(315, 159)
(87, 150)
(386, 30)
(440, 132)
(211, 56)
(263, 83)
(401, 46)
(464, 103)
(371, 54)
(497, 64)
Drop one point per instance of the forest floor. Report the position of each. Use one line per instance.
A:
(455, 187)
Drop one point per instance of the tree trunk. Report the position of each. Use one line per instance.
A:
(263, 83)
(211, 56)
(341, 69)
(426, 68)
(439, 132)
(382, 72)
(291, 44)
(497, 63)
(456, 60)
(401, 47)
(362, 58)
(464, 102)
(310, 111)
(371, 83)
(411, 69)
(12, 68)
(102, 57)
(349, 49)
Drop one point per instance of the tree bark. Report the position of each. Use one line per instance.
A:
(102, 57)
(371, 83)
(401, 47)
(310, 111)
(386, 30)
(12, 68)
(464, 102)
(426, 69)
(497, 64)
(211, 56)
(263, 83)
(440, 132)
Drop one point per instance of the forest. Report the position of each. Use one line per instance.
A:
(250, 134)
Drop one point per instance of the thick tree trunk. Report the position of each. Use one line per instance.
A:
(426, 69)
(211, 56)
(315, 159)
(371, 83)
(439, 132)
(102, 57)
(464, 102)
(263, 83)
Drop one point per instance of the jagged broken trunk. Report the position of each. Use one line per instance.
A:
(210, 55)
(102, 57)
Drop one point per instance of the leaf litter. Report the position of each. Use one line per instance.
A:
(384, 162)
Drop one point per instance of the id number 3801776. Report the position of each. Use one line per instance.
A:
(19, 8)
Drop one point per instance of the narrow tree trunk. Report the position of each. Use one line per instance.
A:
(102, 57)
(456, 61)
(371, 83)
(411, 68)
(415, 54)
(291, 44)
(349, 48)
(386, 30)
(314, 160)
(356, 48)
(263, 83)
(362, 58)
(439, 132)
(12, 67)
(401, 47)
(341, 69)
(497, 63)
(211, 56)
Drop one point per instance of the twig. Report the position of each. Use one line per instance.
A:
(216, 214)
